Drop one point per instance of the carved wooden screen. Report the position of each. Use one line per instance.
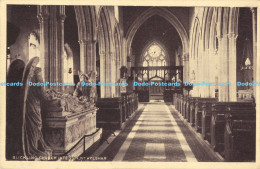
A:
(169, 74)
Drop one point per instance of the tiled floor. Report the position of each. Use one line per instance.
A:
(156, 133)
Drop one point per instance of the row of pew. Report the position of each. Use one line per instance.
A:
(229, 127)
(113, 112)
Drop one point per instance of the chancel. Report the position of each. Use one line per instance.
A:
(143, 83)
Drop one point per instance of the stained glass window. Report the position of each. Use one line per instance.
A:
(154, 56)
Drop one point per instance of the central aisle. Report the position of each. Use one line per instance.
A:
(156, 133)
(155, 137)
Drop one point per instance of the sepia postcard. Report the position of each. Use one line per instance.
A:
(129, 84)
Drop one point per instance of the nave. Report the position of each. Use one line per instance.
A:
(156, 133)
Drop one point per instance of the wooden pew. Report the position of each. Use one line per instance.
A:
(187, 115)
(109, 114)
(136, 101)
(130, 102)
(240, 134)
(188, 107)
(167, 95)
(176, 92)
(181, 104)
(192, 101)
(184, 106)
(143, 95)
(133, 102)
(198, 111)
(178, 100)
(218, 121)
(124, 102)
(206, 119)
(174, 99)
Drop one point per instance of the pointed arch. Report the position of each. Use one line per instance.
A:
(104, 16)
(87, 22)
(166, 14)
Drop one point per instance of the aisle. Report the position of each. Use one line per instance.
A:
(155, 137)
(156, 133)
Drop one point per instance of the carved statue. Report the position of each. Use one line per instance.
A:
(68, 102)
(13, 109)
(82, 99)
(123, 72)
(84, 91)
(33, 144)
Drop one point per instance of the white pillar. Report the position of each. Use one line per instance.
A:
(223, 67)
(212, 72)
(83, 55)
(232, 67)
(206, 66)
(200, 72)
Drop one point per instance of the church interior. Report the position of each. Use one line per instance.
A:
(191, 93)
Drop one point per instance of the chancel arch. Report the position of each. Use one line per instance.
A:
(170, 17)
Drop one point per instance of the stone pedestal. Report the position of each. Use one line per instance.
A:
(64, 130)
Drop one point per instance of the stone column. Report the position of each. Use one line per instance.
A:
(232, 67)
(206, 69)
(60, 46)
(102, 73)
(212, 71)
(83, 55)
(87, 56)
(200, 72)
(43, 17)
(107, 73)
(223, 67)
(51, 19)
(118, 66)
(90, 56)
(52, 43)
(124, 53)
(254, 25)
(112, 73)
(185, 70)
